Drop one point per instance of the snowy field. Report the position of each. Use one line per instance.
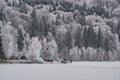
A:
(74, 71)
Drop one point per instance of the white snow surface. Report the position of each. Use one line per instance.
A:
(74, 71)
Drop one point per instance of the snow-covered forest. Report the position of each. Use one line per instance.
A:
(52, 30)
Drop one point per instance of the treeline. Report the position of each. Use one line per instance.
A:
(39, 30)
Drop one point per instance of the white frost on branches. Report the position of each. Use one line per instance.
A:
(9, 41)
(34, 53)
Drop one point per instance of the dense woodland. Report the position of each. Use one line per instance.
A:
(77, 30)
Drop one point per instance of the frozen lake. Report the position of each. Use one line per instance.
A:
(74, 71)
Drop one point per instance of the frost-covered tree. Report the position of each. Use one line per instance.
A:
(81, 29)
(50, 48)
(113, 24)
(68, 44)
(53, 29)
(49, 37)
(34, 53)
(112, 55)
(60, 37)
(75, 54)
(91, 54)
(9, 41)
(83, 56)
(100, 54)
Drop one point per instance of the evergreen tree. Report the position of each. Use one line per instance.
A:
(45, 26)
(118, 1)
(20, 40)
(54, 8)
(85, 39)
(9, 36)
(34, 28)
(82, 9)
(92, 38)
(118, 29)
(69, 39)
(34, 53)
(1, 48)
(106, 47)
(50, 9)
(23, 8)
(100, 42)
(6, 0)
(37, 2)
(49, 37)
(53, 29)
(82, 20)
(78, 40)
(1, 15)
(56, 4)
(99, 10)
(95, 37)
(90, 11)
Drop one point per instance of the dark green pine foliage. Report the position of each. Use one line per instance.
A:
(69, 39)
(82, 20)
(85, 38)
(53, 30)
(34, 28)
(106, 47)
(99, 10)
(90, 11)
(78, 38)
(95, 38)
(6, 0)
(56, 4)
(66, 6)
(106, 44)
(20, 40)
(45, 26)
(23, 8)
(1, 15)
(82, 9)
(50, 9)
(92, 38)
(54, 8)
(1, 49)
(100, 42)
(118, 29)
(118, 1)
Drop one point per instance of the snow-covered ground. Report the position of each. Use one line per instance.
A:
(74, 71)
